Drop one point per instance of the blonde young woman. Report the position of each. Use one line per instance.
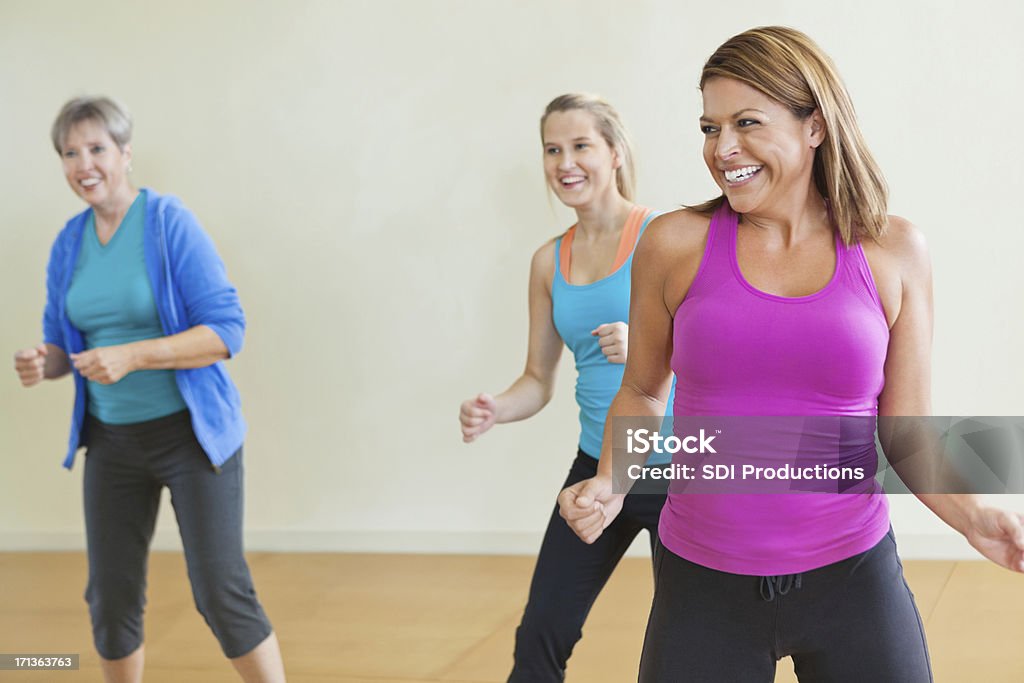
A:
(791, 294)
(579, 297)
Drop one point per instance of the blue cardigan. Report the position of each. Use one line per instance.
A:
(190, 287)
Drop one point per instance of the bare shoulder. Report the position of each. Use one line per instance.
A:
(669, 254)
(904, 237)
(904, 246)
(542, 265)
(545, 254)
(674, 235)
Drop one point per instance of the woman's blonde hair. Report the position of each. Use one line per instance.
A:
(789, 67)
(611, 128)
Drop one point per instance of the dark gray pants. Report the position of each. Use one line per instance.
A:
(570, 574)
(847, 622)
(126, 467)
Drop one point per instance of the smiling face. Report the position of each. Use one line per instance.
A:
(758, 152)
(579, 165)
(95, 167)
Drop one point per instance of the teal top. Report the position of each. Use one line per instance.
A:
(576, 311)
(111, 301)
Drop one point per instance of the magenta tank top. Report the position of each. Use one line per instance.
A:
(740, 351)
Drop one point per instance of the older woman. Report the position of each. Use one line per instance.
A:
(791, 294)
(140, 312)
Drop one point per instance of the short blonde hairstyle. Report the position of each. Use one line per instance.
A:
(611, 128)
(789, 67)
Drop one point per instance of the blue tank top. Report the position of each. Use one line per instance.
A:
(576, 311)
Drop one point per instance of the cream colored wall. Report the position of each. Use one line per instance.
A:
(370, 173)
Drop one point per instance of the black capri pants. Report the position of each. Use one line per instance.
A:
(848, 622)
(569, 575)
(126, 467)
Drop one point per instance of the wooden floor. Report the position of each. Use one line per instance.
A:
(429, 618)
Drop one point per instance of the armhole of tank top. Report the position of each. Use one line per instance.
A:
(709, 245)
(868, 275)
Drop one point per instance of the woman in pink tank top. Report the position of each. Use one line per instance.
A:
(792, 294)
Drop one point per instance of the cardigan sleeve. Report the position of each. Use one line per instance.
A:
(199, 277)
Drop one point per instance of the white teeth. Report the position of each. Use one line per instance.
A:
(738, 174)
(89, 182)
(568, 180)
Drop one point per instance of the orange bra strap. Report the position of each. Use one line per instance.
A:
(565, 254)
(630, 234)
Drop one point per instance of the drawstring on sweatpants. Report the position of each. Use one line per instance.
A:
(779, 585)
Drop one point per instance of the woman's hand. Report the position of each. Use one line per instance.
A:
(589, 506)
(105, 364)
(998, 535)
(30, 364)
(477, 415)
(614, 340)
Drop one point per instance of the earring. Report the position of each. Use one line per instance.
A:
(129, 169)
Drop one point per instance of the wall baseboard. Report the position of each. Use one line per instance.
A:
(912, 546)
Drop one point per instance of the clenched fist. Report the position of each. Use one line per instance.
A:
(30, 364)
(613, 338)
(476, 415)
(104, 364)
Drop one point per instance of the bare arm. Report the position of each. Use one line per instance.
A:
(665, 263)
(57, 364)
(533, 389)
(997, 534)
(196, 347)
(654, 297)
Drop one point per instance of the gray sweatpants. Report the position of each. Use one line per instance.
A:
(126, 467)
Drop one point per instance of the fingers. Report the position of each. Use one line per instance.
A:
(91, 366)
(584, 515)
(82, 361)
(1012, 526)
(30, 365)
(469, 420)
(476, 416)
(578, 511)
(581, 499)
(591, 528)
(479, 408)
(607, 329)
(612, 339)
(28, 354)
(615, 353)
